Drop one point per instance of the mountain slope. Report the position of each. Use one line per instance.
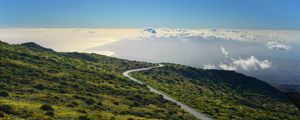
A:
(37, 82)
(221, 94)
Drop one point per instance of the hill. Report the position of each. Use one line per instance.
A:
(39, 83)
(221, 94)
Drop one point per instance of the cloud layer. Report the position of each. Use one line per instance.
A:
(274, 45)
(65, 39)
(240, 64)
(184, 34)
(247, 64)
(193, 47)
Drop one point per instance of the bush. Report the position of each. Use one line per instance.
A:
(73, 104)
(84, 118)
(40, 87)
(82, 111)
(13, 110)
(4, 94)
(116, 103)
(47, 107)
(79, 97)
(8, 109)
(50, 113)
(90, 101)
(2, 114)
(130, 119)
(99, 103)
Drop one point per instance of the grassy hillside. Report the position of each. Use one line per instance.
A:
(221, 94)
(37, 82)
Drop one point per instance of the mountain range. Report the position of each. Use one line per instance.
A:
(40, 83)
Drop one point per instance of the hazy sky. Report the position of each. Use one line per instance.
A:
(116, 28)
(254, 14)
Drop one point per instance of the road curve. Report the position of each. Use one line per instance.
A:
(165, 96)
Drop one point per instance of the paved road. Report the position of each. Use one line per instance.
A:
(165, 96)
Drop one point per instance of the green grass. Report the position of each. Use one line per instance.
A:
(76, 85)
(221, 94)
(27, 109)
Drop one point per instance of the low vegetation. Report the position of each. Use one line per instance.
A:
(221, 94)
(39, 83)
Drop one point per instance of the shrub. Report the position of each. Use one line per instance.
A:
(8, 109)
(13, 110)
(79, 97)
(84, 118)
(116, 103)
(25, 113)
(4, 94)
(50, 113)
(2, 114)
(99, 103)
(82, 111)
(73, 104)
(70, 105)
(40, 87)
(130, 119)
(90, 101)
(47, 107)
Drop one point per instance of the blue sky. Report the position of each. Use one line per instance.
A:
(250, 14)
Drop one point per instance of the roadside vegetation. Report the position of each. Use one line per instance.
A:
(224, 95)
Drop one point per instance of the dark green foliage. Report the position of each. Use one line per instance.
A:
(8, 109)
(82, 111)
(47, 107)
(4, 94)
(85, 117)
(116, 103)
(40, 86)
(73, 104)
(2, 114)
(90, 101)
(295, 98)
(50, 113)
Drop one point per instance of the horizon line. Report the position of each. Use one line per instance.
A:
(296, 29)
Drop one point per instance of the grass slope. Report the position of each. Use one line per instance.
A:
(39, 83)
(221, 94)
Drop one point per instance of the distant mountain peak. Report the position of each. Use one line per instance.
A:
(1, 42)
(36, 47)
(150, 30)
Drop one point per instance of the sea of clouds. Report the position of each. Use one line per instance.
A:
(271, 55)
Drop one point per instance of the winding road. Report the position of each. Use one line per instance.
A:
(165, 96)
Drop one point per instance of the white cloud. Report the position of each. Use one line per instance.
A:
(227, 67)
(165, 33)
(185, 35)
(247, 64)
(209, 66)
(277, 45)
(230, 34)
(224, 51)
